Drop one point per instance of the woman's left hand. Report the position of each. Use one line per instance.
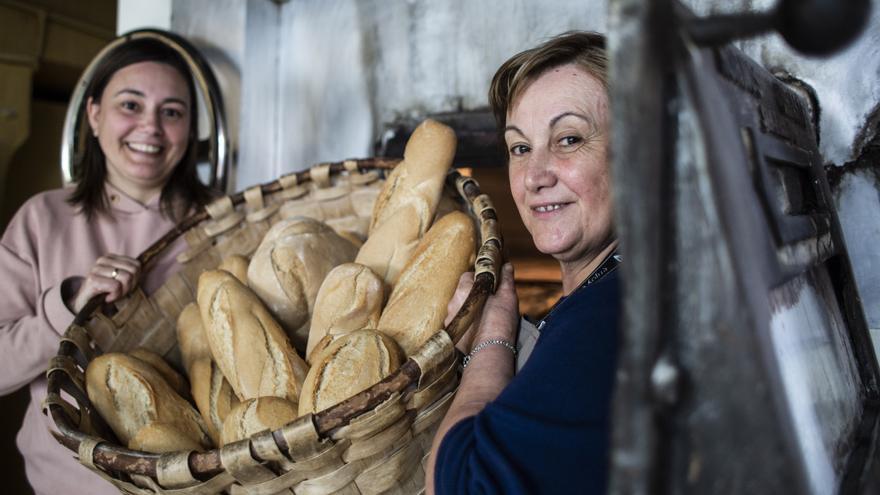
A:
(500, 318)
(112, 274)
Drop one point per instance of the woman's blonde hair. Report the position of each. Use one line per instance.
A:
(584, 48)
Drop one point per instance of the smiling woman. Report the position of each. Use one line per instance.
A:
(142, 123)
(532, 411)
(136, 178)
(556, 136)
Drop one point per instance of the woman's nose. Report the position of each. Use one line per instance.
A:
(540, 171)
(151, 122)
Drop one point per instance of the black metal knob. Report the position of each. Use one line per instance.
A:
(812, 27)
(821, 27)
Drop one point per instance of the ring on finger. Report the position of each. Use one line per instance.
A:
(114, 273)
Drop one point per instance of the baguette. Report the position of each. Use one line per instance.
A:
(417, 181)
(213, 396)
(416, 307)
(211, 391)
(256, 415)
(175, 379)
(408, 201)
(237, 265)
(162, 437)
(288, 267)
(350, 364)
(350, 298)
(191, 337)
(248, 345)
(130, 394)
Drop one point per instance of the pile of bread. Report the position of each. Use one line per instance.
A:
(312, 318)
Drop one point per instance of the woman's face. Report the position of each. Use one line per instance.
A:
(557, 139)
(142, 124)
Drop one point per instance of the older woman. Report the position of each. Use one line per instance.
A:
(137, 177)
(545, 428)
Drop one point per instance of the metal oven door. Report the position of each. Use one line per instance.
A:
(746, 364)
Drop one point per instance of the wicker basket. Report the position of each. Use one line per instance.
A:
(374, 442)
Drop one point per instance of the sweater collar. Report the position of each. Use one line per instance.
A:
(121, 202)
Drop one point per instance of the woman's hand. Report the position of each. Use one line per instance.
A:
(113, 274)
(500, 318)
(491, 369)
(500, 314)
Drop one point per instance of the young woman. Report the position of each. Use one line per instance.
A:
(136, 180)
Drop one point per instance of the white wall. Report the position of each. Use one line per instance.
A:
(349, 67)
(137, 14)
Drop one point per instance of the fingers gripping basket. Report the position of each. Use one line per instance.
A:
(374, 442)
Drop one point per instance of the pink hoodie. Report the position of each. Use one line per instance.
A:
(46, 242)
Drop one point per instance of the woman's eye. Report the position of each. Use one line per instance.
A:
(172, 113)
(130, 106)
(569, 141)
(568, 144)
(519, 149)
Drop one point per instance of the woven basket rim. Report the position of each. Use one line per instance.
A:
(206, 464)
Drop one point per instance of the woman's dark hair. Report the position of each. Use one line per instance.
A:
(583, 48)
(183, 191)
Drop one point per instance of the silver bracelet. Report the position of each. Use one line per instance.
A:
(485, 344)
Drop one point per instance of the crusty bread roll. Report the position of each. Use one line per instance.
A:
(256, 415)
(353, 237)
(247, 343)
(418, 180)
(162, 437)
(237, 265)
(288, 267)
(175, 379)
(211, 390)
(213, 395)
(405, 207)
(390, 246)
(416, 307)
(351, 363)
(130, 394)
(350, 299)
(191, 336)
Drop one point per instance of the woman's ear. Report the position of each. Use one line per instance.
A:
(93, 111)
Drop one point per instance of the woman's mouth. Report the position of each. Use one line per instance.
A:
(144, 148)
(548, 207)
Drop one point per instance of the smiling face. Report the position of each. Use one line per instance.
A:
(557, 138)
(142, 123)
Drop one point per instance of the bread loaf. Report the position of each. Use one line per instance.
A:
(351, 363)
(211, 391)
(130, 394)
(405, 207)
(175, 379)
(416, 307)
(288, 267)
(256, 415)
(353, 237)
(350, 298)
(237, 265)
(191, 336)
(418, 180)
(213, 396)
(162, 437)
(248, 345)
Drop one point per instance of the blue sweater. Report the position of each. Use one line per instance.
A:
(549, 429)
